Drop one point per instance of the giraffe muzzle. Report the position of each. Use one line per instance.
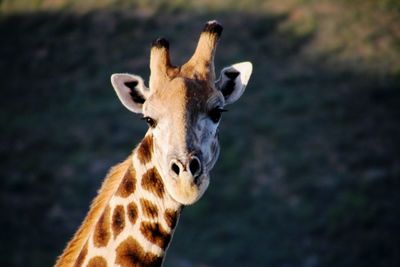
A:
(192, 165)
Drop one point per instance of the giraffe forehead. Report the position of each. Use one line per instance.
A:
(199, 95)
(181, 96)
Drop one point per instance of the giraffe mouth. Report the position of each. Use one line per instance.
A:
(186, 188)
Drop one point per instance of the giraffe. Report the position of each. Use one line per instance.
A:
(133, 217)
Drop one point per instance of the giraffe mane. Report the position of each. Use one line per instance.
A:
(108, 188)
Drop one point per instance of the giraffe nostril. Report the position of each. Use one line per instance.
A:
(175, 168)
(195, 166)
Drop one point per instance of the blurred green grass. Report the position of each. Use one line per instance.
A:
(308, 174)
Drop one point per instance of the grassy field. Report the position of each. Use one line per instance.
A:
(309, 169)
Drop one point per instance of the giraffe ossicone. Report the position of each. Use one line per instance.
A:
(132, 219)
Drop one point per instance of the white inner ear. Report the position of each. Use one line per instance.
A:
(244, 69)
(119, 81)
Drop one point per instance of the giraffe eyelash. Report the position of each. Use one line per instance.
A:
(150, 121)
(216, 113)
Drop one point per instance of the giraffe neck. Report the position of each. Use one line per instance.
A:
(136, 223)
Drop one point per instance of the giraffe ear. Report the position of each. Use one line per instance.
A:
(233, 81)
(130, 90)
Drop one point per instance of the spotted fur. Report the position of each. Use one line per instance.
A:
(171, 217)
(145, 150)
(118, 220)
(97, 261)
(151, 181)
(82, 256)
(149, 209)
(132, 212)
(131, 254)
(179, 98)
(128, 184)
(155, 234)
(102, 234)
(110, 184)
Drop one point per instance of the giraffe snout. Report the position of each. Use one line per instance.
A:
(192, 165)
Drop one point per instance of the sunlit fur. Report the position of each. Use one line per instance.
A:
(107, 190)
(183, 127)
(145, 210)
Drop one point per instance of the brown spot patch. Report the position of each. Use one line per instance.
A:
(132, 212)
(131, 254)
(171, 217)
(102, 231)
(118, 220)
(128, 184)
(97, 261)
(151, 181)
(82, 255)
(149, 209)
(145, 149)
(155, 234)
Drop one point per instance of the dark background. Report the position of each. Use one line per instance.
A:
(309, 169)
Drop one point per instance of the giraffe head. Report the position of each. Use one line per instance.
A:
(183, 107)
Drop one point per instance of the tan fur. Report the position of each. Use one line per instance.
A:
(155, 233)
(151, 181)
(131, 254)
(176, 106)
(110, 185)
(160, 66)
(97, 262)
(201, 65)
(171, 217)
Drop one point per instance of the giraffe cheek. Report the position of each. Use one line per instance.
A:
(212, 155)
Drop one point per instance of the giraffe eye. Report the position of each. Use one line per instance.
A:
(215, 114)
(151, 122)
